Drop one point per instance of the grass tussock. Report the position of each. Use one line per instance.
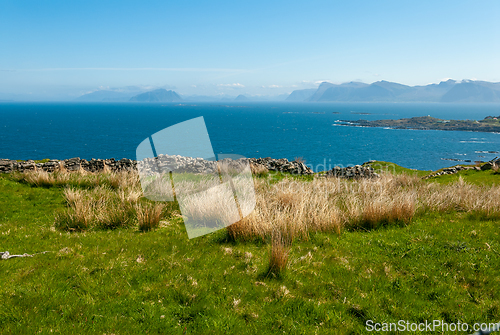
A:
(99, 208)
(149, 215)
(101, 201)
(278, 255)
(42, 178)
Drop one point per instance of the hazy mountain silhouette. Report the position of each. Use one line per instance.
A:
(380, 91)
(385, 91)
(428, 93)
(241, 97)
(207, 98)
(321, 89)
(159, 95)
(331, 92)
(105, 96)
(473, 91)
(301, 95)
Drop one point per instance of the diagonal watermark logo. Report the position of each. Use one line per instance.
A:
(178, 163)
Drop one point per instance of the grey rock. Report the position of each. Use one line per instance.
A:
(352, 172)
(486, 166)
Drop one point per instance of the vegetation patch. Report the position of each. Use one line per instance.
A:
(317, 255)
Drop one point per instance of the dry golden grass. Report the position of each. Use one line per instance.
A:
(80, 178)
(278, 256)
(81, 213)
(214, 206)
(259, 169)
(462, 196)
(42, 178)
(333, 204)
(38, 178)
(104, 201)
(297, 207)
(149, 215)
(72, 196)
(123, 180)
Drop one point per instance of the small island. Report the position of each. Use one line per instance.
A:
(489, 124)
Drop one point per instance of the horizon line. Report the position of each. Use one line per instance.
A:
(187, 69)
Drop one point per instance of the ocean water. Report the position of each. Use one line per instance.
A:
(278, 130)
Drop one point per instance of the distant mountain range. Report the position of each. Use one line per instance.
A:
(162, 95)
(380, 91)
(159, 95)
(384, 91)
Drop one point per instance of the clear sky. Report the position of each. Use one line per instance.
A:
(67, 48)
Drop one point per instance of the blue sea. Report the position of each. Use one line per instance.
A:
(271, 129)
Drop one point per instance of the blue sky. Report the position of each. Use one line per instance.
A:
(67, 48)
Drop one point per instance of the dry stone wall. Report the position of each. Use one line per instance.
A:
(174, 163)
(350, 172)
(73, 164)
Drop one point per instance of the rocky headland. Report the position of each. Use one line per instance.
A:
(489, 124)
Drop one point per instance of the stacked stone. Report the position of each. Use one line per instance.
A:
(453, 170)
(73, 164)
(489, 165)
(6, 165)
(163, 163)
(178, 164)
(97, 165)
(351, 172)
(50, 166)
(282, 165)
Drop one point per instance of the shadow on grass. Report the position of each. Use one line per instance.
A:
(271, 274)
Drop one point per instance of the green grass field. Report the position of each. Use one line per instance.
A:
(440, 266)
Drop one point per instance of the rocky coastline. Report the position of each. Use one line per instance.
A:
(488, 124)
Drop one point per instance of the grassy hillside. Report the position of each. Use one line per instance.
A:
(343, 253)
